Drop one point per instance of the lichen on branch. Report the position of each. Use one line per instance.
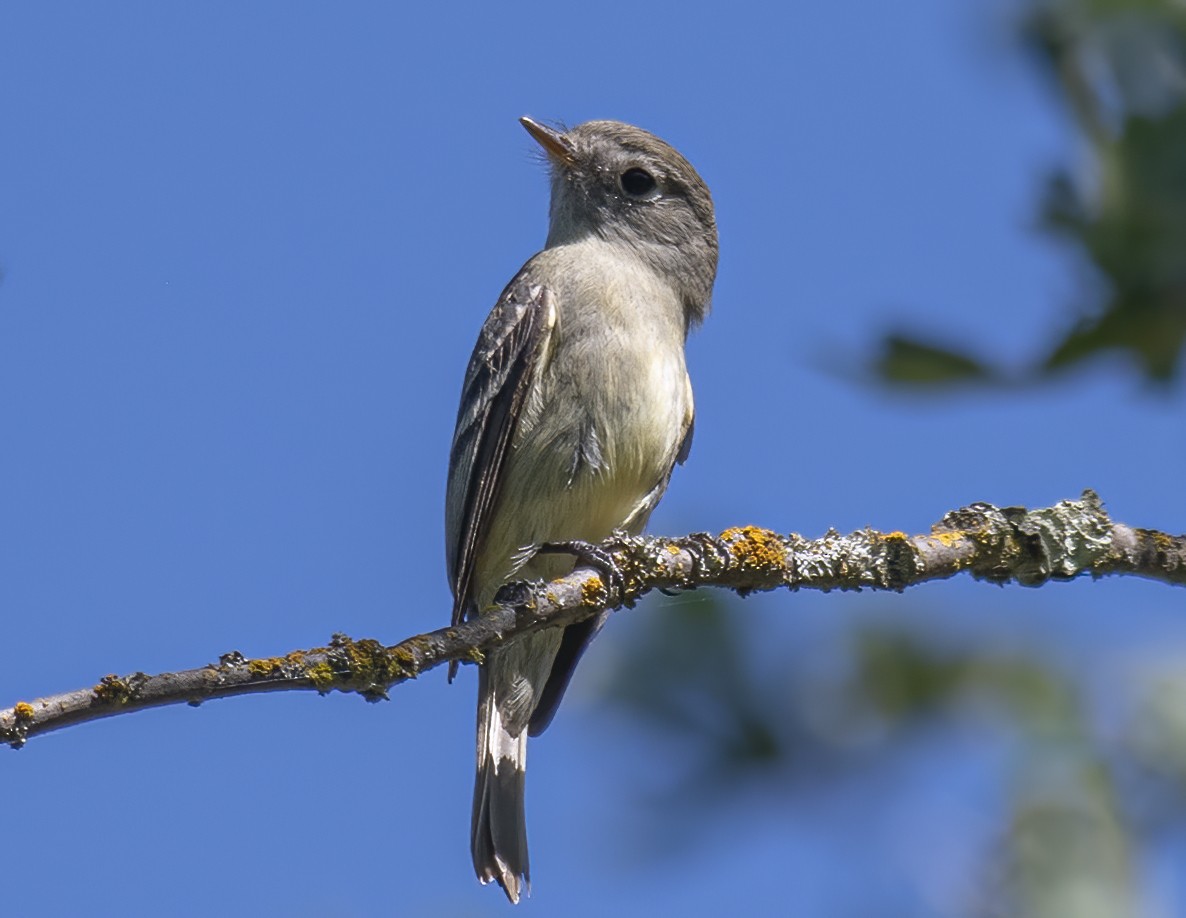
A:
(1001, 545)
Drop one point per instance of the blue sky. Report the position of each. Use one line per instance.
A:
(246, 251)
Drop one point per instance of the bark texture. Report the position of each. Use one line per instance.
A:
(1001, 545)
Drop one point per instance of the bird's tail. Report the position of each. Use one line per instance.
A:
(498, 833)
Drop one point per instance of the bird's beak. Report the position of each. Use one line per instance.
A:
(555, 144)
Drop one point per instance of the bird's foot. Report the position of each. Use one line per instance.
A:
(593, 556)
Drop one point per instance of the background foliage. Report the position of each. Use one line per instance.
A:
(1094, 789)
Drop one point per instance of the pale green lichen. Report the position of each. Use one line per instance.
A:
(322, 676)
(113, 690)
(264, 667)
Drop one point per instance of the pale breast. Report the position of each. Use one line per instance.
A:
(602, 425)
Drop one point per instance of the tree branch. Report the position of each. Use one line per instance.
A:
(1029, 547)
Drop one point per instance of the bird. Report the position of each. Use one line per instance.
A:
(575, 408)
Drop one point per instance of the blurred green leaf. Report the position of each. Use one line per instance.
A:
(907, 360)
(1155, 737)
(1119, 69)
(1067, 850)
(1068, 840)
(1136, 238)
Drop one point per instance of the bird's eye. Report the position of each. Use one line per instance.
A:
(638, 183)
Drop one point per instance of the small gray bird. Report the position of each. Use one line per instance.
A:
(575, 409)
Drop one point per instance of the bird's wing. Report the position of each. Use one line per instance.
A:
(512, 345)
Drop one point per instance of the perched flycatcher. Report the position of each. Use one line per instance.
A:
(575, 409)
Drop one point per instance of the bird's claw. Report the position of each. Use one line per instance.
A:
(593, 556)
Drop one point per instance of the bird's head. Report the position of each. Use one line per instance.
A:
(624, 185)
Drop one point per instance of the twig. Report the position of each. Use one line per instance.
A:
(1029, 547)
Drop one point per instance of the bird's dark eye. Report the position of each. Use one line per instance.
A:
(637, 183)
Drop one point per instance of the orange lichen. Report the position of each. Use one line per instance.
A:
(755, 549)
(1164, 542)
(23, 711)
(593, 592)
